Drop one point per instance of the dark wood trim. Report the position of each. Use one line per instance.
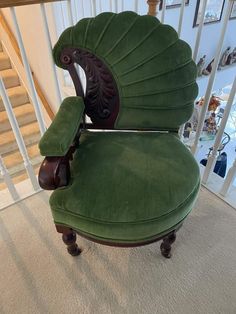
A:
(166, 244)
(54, 172)
(102, 97)
(69, 238)
(169, 233)
(14, 3)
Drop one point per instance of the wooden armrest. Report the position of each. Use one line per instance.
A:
(54, 172)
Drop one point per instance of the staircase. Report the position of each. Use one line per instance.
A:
(24, 113)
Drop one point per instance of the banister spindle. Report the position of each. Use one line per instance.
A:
(163, 11)
(18, 136)
(122, 5)
(231, 175)
(212, 78)
(152, 7)
(136, 6)
(69, 11)
(212, 158)
(93, 8)
(116, 6)
(49, 45)
(181, 16)
(33, 94)
(7, 179)
(100, 6)
(199, 31)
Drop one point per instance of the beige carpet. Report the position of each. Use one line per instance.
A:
(38, 276)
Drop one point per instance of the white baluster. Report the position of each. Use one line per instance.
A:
(111, 5)
(18, 136)
(69, 11)
(116, 6)
(93, 8)
(82, 7)
(33, 94)
(212, 158)
(136, 6)
(231, 175)
(100, 6)
(181, 131)
(181, 15)
(122, 5)
(163, 11)
(8, 181)
(49, 45)
(199, 31)
(211, 79)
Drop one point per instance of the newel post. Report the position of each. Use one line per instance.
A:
(152, 7)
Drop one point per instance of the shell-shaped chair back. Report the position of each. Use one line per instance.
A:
(142, 74)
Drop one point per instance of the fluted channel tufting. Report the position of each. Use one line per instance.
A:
(152, 67)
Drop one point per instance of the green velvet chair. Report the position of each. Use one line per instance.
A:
(125, 179)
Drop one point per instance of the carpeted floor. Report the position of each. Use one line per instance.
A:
(38, 276)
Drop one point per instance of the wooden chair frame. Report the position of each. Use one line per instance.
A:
(102, 106)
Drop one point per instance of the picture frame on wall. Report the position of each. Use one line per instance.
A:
(172, 3)
(233, 12)
(213, 13)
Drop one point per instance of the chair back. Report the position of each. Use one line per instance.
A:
(139, 74)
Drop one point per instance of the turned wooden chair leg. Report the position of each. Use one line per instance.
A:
(69, 238)
(166, 244)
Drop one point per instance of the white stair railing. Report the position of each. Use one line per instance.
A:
(163, 11)
(181, 16)
(49, 46)
(199, 31)
(33, 94)
(8, 181)
(212, 158)
(212, 77)
(18, 136)
(231, 175)
(69, 11)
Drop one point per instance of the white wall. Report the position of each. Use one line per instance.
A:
(30, 23)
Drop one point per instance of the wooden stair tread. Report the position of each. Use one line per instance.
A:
(5, 62)
(10, 78)
(24, 115)
(19, 177)
(13, 159)
(30, 133)
(17, 95)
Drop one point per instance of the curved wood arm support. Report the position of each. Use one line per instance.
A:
(55, 171)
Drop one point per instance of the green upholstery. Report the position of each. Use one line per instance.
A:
(153, 68)
(127, 186)
(58, 138)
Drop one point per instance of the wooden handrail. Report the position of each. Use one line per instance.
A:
(15, 46)
(14, 3)
(152, 7)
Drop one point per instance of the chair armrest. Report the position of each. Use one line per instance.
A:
(58, 138)
(54, 172)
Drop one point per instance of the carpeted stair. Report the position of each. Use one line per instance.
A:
(24, 113)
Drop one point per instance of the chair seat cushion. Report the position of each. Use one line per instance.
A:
(127, 186)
